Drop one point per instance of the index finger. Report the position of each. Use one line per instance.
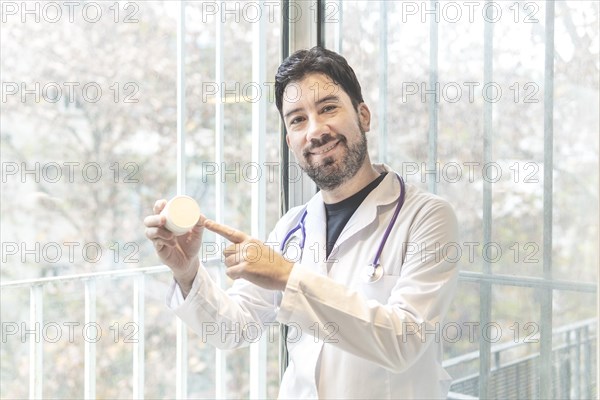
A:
(227, 232)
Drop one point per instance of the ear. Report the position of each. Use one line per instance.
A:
(287, 139)
(364, 117)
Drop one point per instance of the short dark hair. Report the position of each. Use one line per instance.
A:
(319, 60)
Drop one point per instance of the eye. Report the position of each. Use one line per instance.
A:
(296, 120)
(329, 108)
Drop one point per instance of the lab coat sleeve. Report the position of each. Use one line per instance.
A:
(395, 334)
(226, 319)
(230, 318)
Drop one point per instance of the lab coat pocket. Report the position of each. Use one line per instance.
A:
(379, 290)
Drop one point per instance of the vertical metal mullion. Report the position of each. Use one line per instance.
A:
(219, 116)
(181, 347)
(181, 97)
(220, 355)
(220, 362)
(284, 171)
(565, 381)
(181, 360)
(139, 345)
(337, 28)
(321, 23)
(36, 346)
(258, 369)
(285, 29)
(432, 103)
(259, 117)
(485, 298)
(383, 80)
(258, 350)
(517, 378)
(89, 386)
(577, 377)
(546, 294)
(587, 363)
(300, 33)
(284, 149)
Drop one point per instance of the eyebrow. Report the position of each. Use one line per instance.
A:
(323, 100)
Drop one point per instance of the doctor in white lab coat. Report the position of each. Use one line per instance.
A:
(348, 337)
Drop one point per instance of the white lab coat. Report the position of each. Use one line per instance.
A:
(347, 338)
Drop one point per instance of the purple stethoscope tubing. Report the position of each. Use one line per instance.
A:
(300, 226)
(392, 221)
(386, 234)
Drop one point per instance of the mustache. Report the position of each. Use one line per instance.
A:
(323, 140)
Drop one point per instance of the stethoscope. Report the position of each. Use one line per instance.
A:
(372, 273)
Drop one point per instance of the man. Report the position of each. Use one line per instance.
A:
(356, 331)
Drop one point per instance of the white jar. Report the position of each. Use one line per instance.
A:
(182, 214)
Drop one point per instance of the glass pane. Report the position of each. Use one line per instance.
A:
(89, 143)
(88, 123)
(238, 172)
(399, 56)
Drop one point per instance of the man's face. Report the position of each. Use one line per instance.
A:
(324, 130)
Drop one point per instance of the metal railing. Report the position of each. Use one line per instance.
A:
(36, 318)
(518, 378)
(573, 366)
(138, 277)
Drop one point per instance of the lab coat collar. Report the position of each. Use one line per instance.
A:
(387, 192)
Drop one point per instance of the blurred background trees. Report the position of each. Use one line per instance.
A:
(129, 136)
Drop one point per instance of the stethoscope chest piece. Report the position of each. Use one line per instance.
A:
(372, 273)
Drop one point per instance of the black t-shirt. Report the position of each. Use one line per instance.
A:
(338, 214)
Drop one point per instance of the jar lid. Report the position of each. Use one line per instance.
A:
(182, 214)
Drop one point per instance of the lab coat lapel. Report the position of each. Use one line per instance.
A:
(387, 192)
(314, 248)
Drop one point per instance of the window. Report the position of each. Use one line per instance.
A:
(94, 111)
(108, 106)
(465, 107)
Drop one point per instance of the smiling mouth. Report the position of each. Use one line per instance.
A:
(325, 148)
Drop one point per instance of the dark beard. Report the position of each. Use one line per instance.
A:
(326, 174)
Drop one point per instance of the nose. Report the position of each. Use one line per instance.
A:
(317, 127)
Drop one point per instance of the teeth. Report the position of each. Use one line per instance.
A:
(326, 149)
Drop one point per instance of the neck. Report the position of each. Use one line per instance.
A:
(365, 175)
